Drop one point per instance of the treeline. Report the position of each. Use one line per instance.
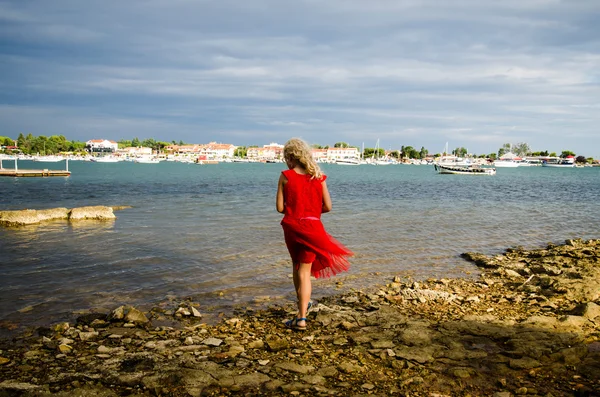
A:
(29, 144)
(55, 144)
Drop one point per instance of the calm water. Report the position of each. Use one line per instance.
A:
(211, 233)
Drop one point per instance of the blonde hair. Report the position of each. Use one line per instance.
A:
(297, 149)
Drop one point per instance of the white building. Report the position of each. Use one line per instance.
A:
(218, 150)
(101, 145)
(339, 153)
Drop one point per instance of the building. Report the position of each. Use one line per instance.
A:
(272, 151)
(320, 154)
(218, 150)
(136, 151)
(340, 153)
(101, 145)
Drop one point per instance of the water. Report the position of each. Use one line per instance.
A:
(211, 233)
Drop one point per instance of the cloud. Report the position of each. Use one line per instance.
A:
(411, 73)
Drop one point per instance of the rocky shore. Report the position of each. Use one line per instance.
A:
(529, 325)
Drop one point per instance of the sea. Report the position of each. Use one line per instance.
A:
(211, 234)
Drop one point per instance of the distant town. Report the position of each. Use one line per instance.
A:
(58, 145)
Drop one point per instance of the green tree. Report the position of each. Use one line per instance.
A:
(135, 142)
(566, 153)
(409, 152)
(423, 152)
(241, 151)
(521, 149)
(581, 159)
(341, 145)
(460, 152)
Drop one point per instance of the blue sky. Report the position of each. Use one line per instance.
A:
(473, 73)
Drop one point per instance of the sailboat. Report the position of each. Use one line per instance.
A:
(378, 160)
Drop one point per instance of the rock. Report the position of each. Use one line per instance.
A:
(212, 342)
(524, 363)
(30, 217)
(130, 314)
(591, 311)
(275, 344)
(92, 213)
(295, 367)
(10, 387)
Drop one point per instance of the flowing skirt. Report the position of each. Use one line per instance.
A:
(307, 238)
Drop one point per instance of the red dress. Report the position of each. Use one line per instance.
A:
(305, 237)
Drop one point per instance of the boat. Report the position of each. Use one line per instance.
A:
(48, 159)
(463, 170)
(567, 162)
(348, 161)
(530, 163)
(146, 160)
(105, 159)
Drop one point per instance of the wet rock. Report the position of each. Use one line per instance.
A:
(91, 213)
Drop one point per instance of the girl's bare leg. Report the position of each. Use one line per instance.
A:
(303, 285)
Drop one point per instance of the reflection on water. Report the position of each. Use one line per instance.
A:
(212, 233)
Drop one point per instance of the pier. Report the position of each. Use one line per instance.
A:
(16, 172)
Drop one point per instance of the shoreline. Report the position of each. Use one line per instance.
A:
(529, 324)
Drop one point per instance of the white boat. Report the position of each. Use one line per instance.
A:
(348, 161)
(530, 163)
(463, 170)
(105, 159)
(147, 160)
(568, 162)
(48, 159)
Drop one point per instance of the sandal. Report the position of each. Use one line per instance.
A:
(293, 324)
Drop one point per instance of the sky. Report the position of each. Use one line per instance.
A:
(470, 73)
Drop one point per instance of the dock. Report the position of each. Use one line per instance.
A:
(16, 172)
(38, 173)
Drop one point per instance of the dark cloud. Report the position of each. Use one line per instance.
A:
(419, 73)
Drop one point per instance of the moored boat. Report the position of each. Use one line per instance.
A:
(567, 162)
(464, 170)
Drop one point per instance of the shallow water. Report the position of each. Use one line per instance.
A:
(211, 233)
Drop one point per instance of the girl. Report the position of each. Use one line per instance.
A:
(302, 197)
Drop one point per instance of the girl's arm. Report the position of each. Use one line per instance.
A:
(279, 202)
(326, 199)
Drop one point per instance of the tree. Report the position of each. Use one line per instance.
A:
(566, 153)
(341, 145)
(504, 149)
(581, 159)
(492, 156)
(240, 151)
(135, 142)
(460, 152)
(521, 149)
(409, 152)
(423, 152)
